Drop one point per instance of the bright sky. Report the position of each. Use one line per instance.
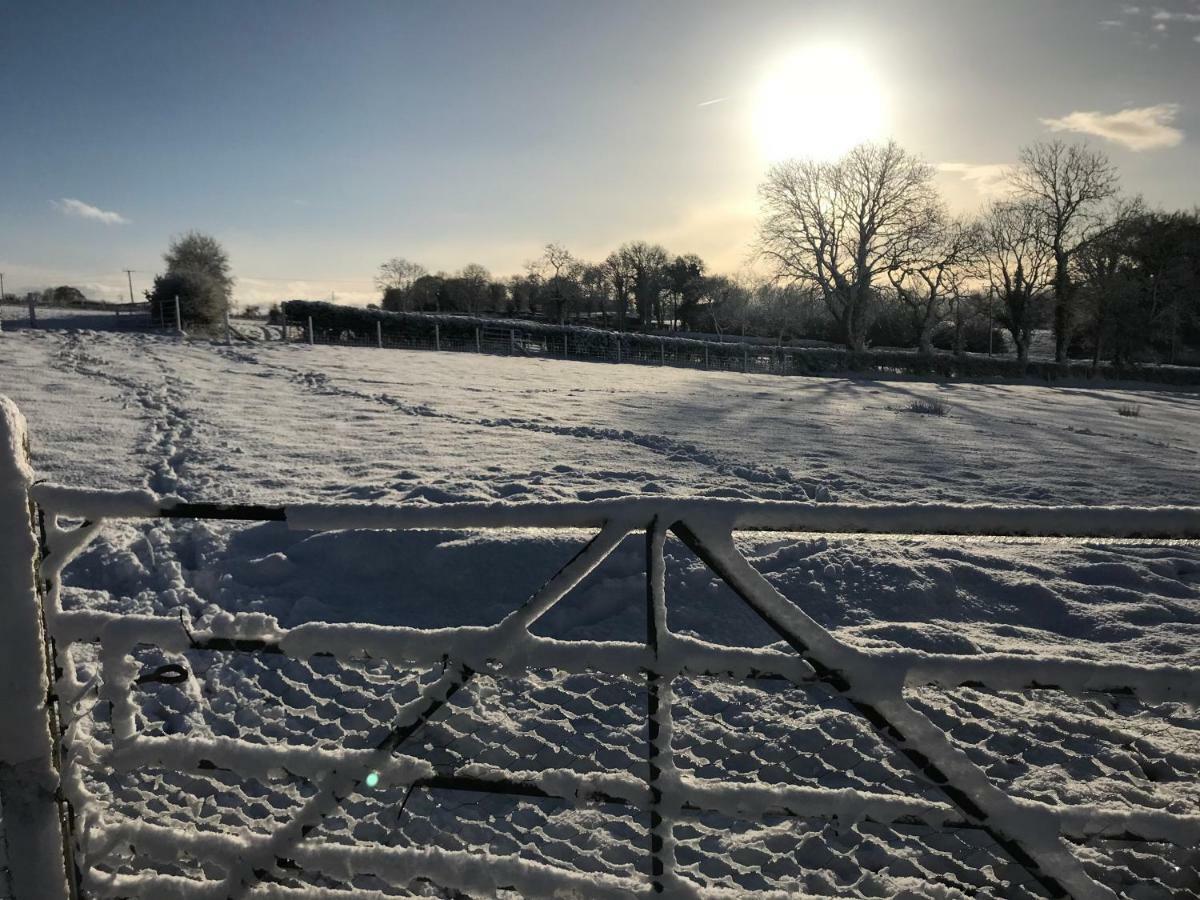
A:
(318, 139)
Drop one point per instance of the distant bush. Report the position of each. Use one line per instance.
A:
(65, 295)
(1129, 410)
(201, 297)
(198, 274)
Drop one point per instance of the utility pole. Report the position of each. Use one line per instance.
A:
(129, 275)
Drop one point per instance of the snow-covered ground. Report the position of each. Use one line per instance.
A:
(275, 423)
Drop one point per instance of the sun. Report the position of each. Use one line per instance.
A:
(817, 104)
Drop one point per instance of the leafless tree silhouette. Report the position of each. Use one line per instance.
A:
(841, 225)
(929, 278)
(1019, 265)
(1067, 184)
(398, 273)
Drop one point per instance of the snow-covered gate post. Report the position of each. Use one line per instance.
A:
(658, 713)
(29, 782)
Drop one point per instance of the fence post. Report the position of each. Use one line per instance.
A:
(745, 359)
(311, 336)
(659, 758)
(662, 352)
(178, 316)
(228, 335)
(38, 847)
(478, 349)
(706, 357)
(379, 334)
(32, 300)
(566, 355)
(437, 336)
(618, 347)
(512, 340)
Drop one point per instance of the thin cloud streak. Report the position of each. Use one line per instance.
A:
(77, 209)
(1141, 128)
(715, 100)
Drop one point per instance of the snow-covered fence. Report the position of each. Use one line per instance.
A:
(31, 805)
(1029, 844)
(325, 323)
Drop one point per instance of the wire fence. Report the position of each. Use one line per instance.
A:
(322, 323)
(585, 345)
(103, 316)
(245, 759)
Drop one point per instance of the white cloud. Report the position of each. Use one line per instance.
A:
(1141, 128)
(1163, 15)
(989, 179)
(69, 206)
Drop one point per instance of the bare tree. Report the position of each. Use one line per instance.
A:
(561, 273)
(1068, 185)
(398, 274)
(647, 266)
(475, 280)
(928, 279)
(595, 284)
(728, 304)
(620, 275)
(1019, 265)
(840, 225)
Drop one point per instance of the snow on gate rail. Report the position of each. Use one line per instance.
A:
(1034, 839)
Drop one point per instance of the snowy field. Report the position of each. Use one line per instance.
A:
(275, 424)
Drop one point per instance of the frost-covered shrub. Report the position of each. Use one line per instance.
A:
(201, 297)
(928, 407)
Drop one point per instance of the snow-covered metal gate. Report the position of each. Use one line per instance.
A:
(1010, 846)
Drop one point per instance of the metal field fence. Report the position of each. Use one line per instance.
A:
(566, 343)
(324, 323)
(100, 316)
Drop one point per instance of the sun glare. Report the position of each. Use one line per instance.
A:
(818, 103)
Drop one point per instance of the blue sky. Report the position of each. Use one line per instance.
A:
(318, 139)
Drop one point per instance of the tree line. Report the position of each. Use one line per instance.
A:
(639, 286)
(863, 250)
(1061, 247)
